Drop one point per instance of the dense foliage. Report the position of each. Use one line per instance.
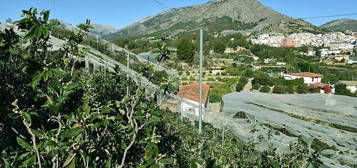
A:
(185, 50)
(242, 82)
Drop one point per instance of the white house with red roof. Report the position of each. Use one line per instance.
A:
(309, 78)
(190, 95)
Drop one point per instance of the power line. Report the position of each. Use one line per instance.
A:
(160, 3)
(328, 16)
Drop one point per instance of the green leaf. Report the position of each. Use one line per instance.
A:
(154, 166)
(27, 118)
(105, 110)
(71, 86)
(6, 163)
(73, 163)
(155, 119)
(50, 143)
(29, 162)
(151, 151)
(166, 161)
(69, 159)
(36, 80)
(38, 133)
(23, 156)
(71, 132)
(23, 143)
(46, 15)
(86, 107)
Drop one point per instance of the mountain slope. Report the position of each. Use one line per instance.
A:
(341, 25)
(215, 16)
(101, 30)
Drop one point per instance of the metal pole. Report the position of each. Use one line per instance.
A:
(200, 107)
(127, 71)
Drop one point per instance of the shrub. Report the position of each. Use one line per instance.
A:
(265, 89)
(242, 82)
(279, 90)
(302, 89)
(256, 86)
(290, 89)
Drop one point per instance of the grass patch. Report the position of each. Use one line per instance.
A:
(319, 146)
(240, 115)
(282, 130)
(316, 121)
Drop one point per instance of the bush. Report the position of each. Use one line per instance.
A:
(256, 86)
(263, 79)
(302, 89)
(279, 90)
(184, 78)
(341, 90)
(265, 89)
(242, 82)
(290, 89)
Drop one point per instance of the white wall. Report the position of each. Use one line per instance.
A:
(353, 89)
(189, 105)
(307, 80)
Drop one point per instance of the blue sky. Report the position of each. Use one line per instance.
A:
(120, 13)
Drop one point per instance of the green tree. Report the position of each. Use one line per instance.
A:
(218, 46)
(185, 49)
(86, 26)
(341, 89)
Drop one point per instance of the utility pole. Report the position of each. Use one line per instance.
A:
(200, 105)
(127, 71)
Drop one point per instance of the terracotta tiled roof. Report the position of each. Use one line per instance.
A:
(192, 92)
(305, 74)
(318, 85)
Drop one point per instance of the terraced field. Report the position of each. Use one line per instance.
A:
(328, 123)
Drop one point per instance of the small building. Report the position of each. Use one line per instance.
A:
(352, 61)
(322, 88)
(191, 97)
(311, 52)
(268, 60)
(309, 78)
(281, 63)
(323, 52)
(341, 58)
(289, 43)
(350, 85)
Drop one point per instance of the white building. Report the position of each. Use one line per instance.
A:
(352, 61)
(350, 85)
(190, 98)
(309, 78)
(281, 63)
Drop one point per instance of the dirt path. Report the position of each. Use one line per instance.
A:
(248, 87)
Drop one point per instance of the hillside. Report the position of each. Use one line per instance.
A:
(215, 16)
(101, 29)
(293, 26)
(97, 29)
(341, 25)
